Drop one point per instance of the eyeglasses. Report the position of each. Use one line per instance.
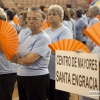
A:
(33, 19)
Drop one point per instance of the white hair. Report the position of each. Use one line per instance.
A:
(56, 8)
(3, 15)
(36, 10)
(95, 10)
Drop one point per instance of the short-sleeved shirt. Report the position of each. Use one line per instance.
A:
(6, 66)
(96, 50)
(37, 44)
(13, 24)
(93, 21)
(85, 18)
(89, 41)
(55, 35)
(68, 24)
(79, 24)
(23, 33)
(73, 28)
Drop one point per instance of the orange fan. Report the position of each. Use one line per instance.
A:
(68, 45)
(98, 16)
(93, 33)
(45, 25)
(15, 20)
(8, 39)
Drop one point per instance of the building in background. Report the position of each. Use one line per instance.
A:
(20, 4)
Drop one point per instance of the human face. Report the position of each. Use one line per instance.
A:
(34, 20)
(91, 13)
(87, 14)
(54, 17)
(22, 21)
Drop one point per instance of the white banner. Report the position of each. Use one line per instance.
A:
(77, 72)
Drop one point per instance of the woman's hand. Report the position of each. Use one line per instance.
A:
(15, 58)
(80, 51)
(92, 46)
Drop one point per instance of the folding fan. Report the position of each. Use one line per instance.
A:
(8, 39)
(45, 25)
(93, 33)
(68, 45)
(98, 16)
(15, 20)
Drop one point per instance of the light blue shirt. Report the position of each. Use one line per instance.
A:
(68, 24)
(13, 24)
(39, 45)
(23, 33)
(73, 28)
(56, 35)
(79, 24)
(6, 66)
(85, 18)
(89, 41)
(93, 21)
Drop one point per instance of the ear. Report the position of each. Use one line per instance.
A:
(61, 18)
(26, 21)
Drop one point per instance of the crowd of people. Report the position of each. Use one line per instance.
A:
(33, 66)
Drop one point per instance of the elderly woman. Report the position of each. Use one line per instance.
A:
(23, 23)
(57, 32)
(34, 56)
(8, 71)
(93, 12)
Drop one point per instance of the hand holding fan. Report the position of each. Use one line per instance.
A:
(93, 33)
(8, 39)
(68, 45)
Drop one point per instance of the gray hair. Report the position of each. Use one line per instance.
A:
(95, 10)
(58, 9)
(3, 15)
(35, 9)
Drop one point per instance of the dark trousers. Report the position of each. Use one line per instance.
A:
(33, 87)
(57, 94)
(7, 82)
(84, 42)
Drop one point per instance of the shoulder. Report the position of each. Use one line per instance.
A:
(46, 30)
(44, 37)
(95, 19)
(64, 28)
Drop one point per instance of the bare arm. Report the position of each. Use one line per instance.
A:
(15, 58)
(29, 59)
